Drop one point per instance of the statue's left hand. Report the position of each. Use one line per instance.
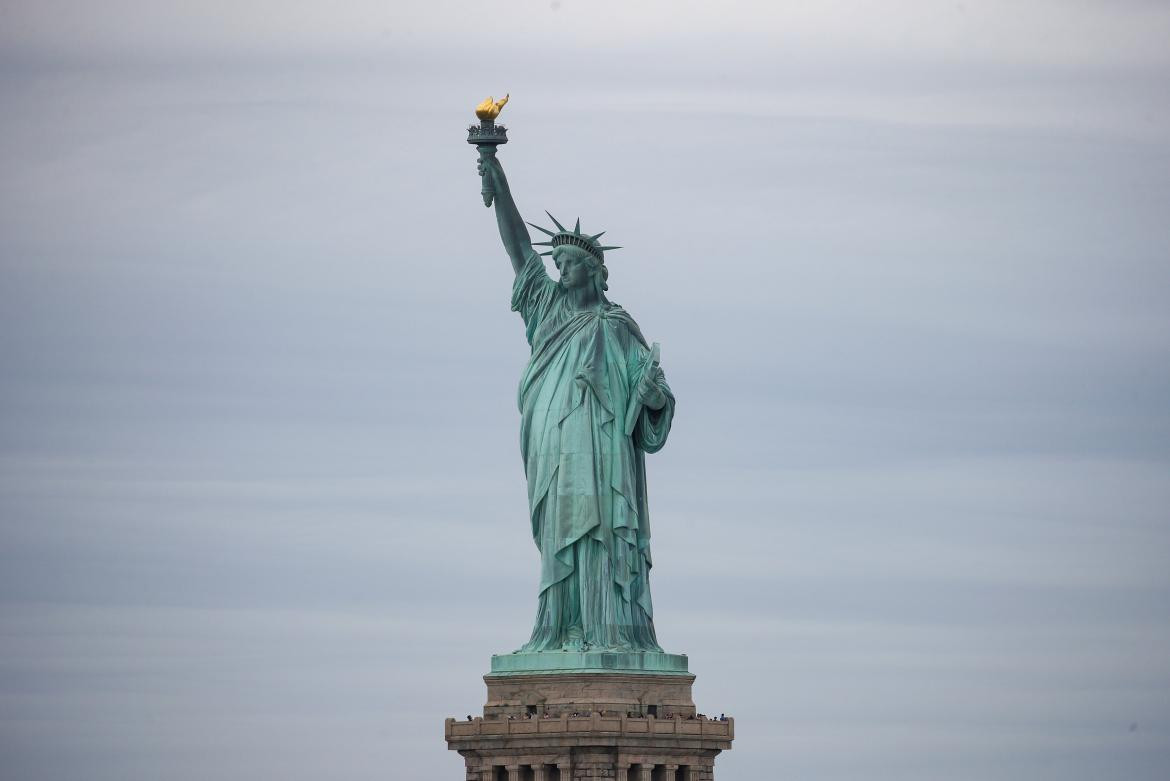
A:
(650, 394)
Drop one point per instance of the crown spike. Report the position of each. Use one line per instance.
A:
(546, 253)
(596, 236)
(603, 249)
(577, 227)
(555, 221)
(543, 244)
(545, 231)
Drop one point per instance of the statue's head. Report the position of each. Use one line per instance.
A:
(580, 268)
(579, 256)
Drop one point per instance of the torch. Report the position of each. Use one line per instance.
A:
(486, 136)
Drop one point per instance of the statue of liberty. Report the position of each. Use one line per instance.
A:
(593, 402)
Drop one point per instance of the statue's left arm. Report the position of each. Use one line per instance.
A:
(652, 393)
(649, 392)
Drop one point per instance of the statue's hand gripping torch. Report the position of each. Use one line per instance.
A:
(486, 136)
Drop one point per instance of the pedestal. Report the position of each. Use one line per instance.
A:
(542, 723)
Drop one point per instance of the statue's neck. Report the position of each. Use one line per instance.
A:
(583, 299)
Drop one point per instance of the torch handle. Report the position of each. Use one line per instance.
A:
(486, 152)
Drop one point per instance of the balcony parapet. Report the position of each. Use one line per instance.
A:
(593, 725)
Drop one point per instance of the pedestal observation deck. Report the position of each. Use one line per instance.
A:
(610, 718)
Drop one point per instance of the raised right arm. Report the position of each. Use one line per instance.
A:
(513, 231)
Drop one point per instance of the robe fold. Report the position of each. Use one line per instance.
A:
(586, 477)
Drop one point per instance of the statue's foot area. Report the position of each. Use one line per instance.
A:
(575, 640)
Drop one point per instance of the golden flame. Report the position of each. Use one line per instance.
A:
(490, 108)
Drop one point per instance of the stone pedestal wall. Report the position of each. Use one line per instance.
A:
(575, 726)
(615, 694)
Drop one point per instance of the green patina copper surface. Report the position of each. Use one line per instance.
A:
(593, 402)
(589, 661)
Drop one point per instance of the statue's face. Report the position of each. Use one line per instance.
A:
(576, 268)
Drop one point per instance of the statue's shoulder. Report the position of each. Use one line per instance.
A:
(616, 311)
(618, 314)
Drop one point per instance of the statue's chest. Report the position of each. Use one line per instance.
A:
(579, 332)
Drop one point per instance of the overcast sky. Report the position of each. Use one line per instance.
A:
(262, 510)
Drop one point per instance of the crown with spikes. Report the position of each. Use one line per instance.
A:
(574, 238)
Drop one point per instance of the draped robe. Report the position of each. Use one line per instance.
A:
(586, 476)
